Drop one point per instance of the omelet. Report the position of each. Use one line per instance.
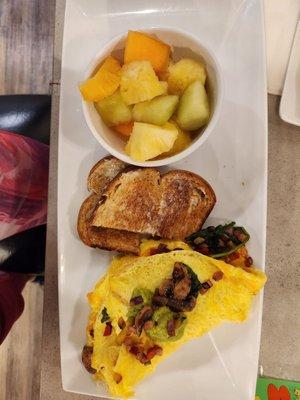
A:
(134, 288)
(147, 246)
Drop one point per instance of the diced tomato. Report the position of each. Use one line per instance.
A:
(108, 329)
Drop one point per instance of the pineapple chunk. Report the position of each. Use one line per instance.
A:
(183, 73)
(164, 86)
(164, 75)
(181, 143)
(104, 83)
(148, 141)
(139, 82)
(113, 110)
(193, 110)
(156, 111)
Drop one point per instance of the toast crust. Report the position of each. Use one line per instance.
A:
(103, 238)
(103, 172)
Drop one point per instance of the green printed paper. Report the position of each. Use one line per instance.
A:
(277, 389)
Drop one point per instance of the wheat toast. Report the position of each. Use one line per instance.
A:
(109, 239)
(171, 205)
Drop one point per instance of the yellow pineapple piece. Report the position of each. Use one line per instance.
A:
(164, 75)
(164, 86)
(183, 73)
(104, 83)
(139, 82)
(148, 141)
(181, 143)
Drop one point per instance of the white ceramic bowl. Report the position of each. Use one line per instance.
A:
(183, 45)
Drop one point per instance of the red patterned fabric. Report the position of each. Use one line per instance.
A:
(23, 183)
(23, 205)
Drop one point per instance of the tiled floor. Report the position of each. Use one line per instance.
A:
(26, 49)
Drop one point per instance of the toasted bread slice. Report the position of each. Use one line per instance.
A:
(109, 239)
(186, 201)
(103, 238)
(103, 173)
(172, 206)
(131, 202)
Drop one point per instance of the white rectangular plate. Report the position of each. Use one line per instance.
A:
(222, 365)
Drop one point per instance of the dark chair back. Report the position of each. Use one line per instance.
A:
(28, 115)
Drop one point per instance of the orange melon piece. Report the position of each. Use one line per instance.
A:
(104, 83)
(124, 129)
(140, 46)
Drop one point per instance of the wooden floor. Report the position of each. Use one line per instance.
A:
(26, 52)
(26, 45)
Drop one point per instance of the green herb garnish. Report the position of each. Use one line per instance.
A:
(196, 284)
(105, 317)
(219, 241)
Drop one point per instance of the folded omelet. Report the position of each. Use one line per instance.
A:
(116, 336)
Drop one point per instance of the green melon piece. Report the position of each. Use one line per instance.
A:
(156, 111)
(113, 110)
(193, 110)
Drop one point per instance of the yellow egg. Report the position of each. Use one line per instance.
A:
(149, 244)
(228, 299)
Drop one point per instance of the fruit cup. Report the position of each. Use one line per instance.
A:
(183, 45)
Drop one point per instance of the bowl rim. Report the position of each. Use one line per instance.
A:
(208, 129)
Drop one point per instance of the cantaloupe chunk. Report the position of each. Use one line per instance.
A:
(104, 83)
(124, 129)
(140, 46)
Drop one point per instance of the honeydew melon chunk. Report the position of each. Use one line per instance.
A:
(113, 110)
(193, 110)
(156, 111)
